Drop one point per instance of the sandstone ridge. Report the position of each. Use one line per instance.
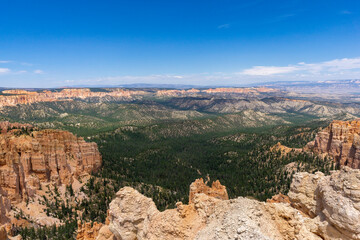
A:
(317, 207)
(14, 97)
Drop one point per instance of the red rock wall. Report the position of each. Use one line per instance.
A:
(25, 97)
(340, 140)
(47, 156)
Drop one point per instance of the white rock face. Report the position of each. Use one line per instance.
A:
(130, 214)
(303, 192)
(332, 200)
(322, 207)
(339, 201)
(244, 219)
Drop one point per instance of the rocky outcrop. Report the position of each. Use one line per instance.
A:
(216, 190)
(176, 93)
(244, 219)
(134, 216)
(340, 140)
(303, 192)
(28, 157)
(317, 207)
(94, 231)
(6, 126)
(14, 97)
(240, 90)
(279, 198)
(88, 230)
(18, 96)
(284, 150)
(3, 233)
(105, 234)
(333, 200)
(5, 207)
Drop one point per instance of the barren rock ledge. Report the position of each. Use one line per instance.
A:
(320, 207)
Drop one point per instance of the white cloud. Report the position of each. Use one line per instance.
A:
(3, 61)
(38, 71)
(26, 64)
(271, 70)
(345, 12)
(4, 70)
(337, 69)
(227, 25)
(327, 67)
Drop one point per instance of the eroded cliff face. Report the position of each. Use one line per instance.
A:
(14, 97)
(341, 141)
(317, 207)
(18, 96)
(29, 157)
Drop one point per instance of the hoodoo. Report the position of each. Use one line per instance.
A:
(28, 156)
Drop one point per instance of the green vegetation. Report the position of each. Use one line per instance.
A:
(159, 149)
(240, 160)
(66, 231)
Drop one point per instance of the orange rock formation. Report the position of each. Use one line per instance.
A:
(283, 149)
(88, 231)
(18, 96)
(26, 97)
(48, 156)
(322, 207)
(216, 190)
(279, 198)
(340, 140)
(134, 216)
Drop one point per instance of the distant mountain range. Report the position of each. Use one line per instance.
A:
(330, 86)
(343, 85)
(149, 85)
(351, 86)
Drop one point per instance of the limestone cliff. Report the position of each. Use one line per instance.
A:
(340, 140)
(28, 157)
(320, 207)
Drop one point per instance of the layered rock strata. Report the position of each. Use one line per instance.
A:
(14, 97)
(28, 158)
(317, 207)
(340, 140)
(18, 96)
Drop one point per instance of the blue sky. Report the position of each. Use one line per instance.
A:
(223, 42)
